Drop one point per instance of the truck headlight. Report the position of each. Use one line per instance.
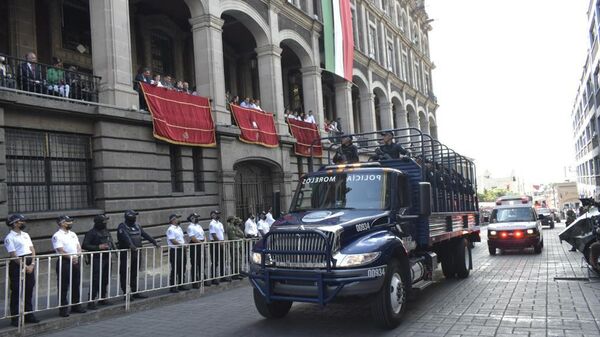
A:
(530, 231)
(256, 258)
(353, 260)
(493, 233)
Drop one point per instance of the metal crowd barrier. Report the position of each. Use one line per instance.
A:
(213, 261)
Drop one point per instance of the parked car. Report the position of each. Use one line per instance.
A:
(515, 227)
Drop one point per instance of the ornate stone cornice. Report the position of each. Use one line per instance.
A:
(206, 20)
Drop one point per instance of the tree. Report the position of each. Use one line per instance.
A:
(492, 194)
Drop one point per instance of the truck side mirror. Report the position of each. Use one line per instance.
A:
(424, 199)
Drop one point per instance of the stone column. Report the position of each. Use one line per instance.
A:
(312, 88)
(343, 103)
(387, 119)
(367, 112)
(111, 52)
(401, 119)
(271, 85)
(208, 59)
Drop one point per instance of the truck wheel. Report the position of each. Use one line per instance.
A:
(273, 310)
(492, 250)
(447, 260)
(462, 258)
(538, 247)
(389, 303)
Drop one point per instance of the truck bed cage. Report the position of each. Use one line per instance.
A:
(443, 167)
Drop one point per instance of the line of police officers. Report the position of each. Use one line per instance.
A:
(98, 239)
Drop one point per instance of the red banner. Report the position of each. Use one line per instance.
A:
(180, 118)
(258, 127)
(305, 134)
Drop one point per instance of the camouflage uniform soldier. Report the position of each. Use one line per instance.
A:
(234, 232)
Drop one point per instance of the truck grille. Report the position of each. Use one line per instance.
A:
(301, 250)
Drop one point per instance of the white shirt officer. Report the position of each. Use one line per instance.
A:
(216, 230)
(175, 236)
(66, 240)
(250, 228)
(269, 219)
(196, 231)
(263, 226)
(18, 243)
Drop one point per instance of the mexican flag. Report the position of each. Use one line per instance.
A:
(338, 37)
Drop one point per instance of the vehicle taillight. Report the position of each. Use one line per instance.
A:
(518, 234)
(503, 235)
(498, 201)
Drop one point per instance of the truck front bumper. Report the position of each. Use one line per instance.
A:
(315, 285)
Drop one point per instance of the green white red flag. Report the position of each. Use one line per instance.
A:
(338, 37)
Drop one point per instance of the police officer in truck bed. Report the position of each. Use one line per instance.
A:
(98, 239)
(129, 236)
(389, 149)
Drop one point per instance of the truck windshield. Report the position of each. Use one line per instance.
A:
(517, 214)
(342, 191)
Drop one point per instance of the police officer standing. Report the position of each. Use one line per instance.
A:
(217, 234)
(389, 149)
(129, 236)
(68, 267)
(235, 232)
(263, 225)
(196, 234)
(250, 227)
(18, 245)
(177, 258)
(98, 239)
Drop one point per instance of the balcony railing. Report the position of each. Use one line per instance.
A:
(45, 79)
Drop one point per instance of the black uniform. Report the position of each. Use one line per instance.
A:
(393, 150)
(346, 153)
(129, 236)
(100, 262)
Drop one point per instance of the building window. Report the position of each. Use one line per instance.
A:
(76, 33)
(404, 70)
(355, 28)
(48, 171)
(161, 51)
(372, 40)
(391, 56)
(198, 169)
(176, 168)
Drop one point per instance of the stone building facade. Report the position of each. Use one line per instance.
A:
(81, 158)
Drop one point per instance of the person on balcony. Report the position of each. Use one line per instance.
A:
(6, 73)
(30, 75)
(257, 104)
(156, 81)
(143, 76)
(310, 118)
(19, 246)
(55, 78)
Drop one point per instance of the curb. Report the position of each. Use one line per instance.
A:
(51, 322)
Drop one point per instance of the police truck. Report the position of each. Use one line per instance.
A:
(375, 230)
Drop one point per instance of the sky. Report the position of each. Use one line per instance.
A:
(506, 77)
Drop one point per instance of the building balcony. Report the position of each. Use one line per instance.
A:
(51, 80)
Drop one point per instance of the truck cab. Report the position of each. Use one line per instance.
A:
(363, 230)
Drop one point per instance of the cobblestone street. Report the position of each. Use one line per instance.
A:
(516, 294)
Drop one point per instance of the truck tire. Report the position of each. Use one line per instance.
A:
(447, 259)
(492, 250)
(390, 302)
(537, 249)
(273, 310)
(462, 258)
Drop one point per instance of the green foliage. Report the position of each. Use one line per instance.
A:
(492, 194)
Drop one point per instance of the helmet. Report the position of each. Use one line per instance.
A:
(130, 214)
(100, 219)
(214, 212)
(14, 218)
(64, 218)
(173, 217)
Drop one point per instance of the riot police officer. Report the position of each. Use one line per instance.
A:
(347, 153)
(129, 236)
(98, 239)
